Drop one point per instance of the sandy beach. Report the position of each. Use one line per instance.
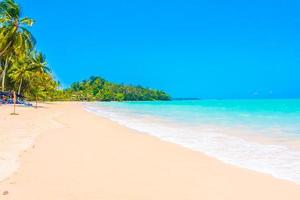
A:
(78, 155)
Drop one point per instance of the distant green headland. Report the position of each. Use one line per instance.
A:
(24, 69)
(98, 89)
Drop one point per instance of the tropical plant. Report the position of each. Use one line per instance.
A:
(15, 37)
(41, 86)
(25, 67)
(98, 89)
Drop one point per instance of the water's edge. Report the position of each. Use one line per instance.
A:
(228, 149)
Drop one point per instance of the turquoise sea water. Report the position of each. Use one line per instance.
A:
(262, 135)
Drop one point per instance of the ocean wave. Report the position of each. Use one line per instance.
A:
(277, 160)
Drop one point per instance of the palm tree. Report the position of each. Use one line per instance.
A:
(20, 71)
(26, 67)
(14, 35)
(41, 84)
(39, 62)
(41, 81)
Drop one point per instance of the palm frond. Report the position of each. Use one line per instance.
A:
(27, 21)
(29, 37)
(9, 9)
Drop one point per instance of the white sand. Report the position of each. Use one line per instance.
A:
(81, 156)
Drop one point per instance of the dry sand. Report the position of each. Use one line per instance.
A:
(80, 156)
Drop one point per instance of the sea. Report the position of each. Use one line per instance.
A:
(260, 135)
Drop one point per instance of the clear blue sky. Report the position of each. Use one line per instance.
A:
(206, 49)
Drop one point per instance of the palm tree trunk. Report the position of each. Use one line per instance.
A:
(4, 74)
(36, 101)
(4, 50)
(20, 86)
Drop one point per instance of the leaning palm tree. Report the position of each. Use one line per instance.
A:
(15, 37)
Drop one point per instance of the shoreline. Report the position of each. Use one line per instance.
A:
(91, 157)
(267, 155)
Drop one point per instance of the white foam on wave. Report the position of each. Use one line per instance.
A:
(277, 160)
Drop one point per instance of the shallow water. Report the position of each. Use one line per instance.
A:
(261, 135)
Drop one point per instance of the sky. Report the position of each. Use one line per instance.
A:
(200, 48)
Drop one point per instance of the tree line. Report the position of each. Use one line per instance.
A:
(98, 89)
(24, 69)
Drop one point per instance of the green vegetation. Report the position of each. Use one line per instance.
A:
(98, 89)
(23, 69)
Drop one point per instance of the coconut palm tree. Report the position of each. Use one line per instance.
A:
(19, 71)
(14, 34)
(39, 62)
(41, 84)
(26, 66)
